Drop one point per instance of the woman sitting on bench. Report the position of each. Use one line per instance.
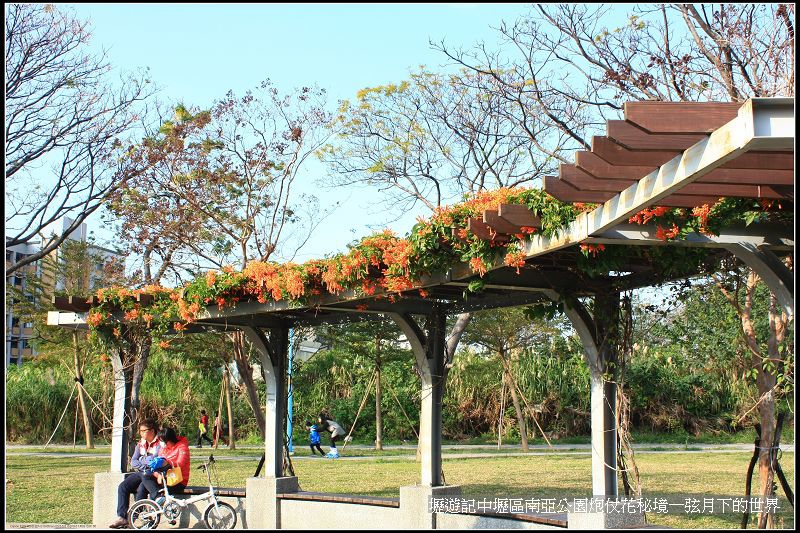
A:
(175, 453)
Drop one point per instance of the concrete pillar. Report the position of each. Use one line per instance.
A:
(429, 351)
(273, 356)
(414, 509)
(123, 387)
(604, 395)
(598, 355)
(604, 438)
(104, 508)
(263, 508)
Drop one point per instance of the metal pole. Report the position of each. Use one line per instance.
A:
(290, 393)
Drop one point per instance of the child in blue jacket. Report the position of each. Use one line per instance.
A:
(314, 438)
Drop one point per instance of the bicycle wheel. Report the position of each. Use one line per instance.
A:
(223, 516)
(144, 514)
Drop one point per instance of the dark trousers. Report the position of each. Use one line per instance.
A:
(151, 486)
(130, 485)
(317, 446)
(333, 441)
(203, 435)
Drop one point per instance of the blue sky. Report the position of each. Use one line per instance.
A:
(197, 52)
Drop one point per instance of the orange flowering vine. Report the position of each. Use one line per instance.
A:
(592, 249)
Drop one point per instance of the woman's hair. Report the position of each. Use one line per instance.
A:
(168, 435)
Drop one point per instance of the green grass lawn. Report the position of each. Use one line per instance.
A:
(59, 490)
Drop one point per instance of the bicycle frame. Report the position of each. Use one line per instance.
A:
(183, 503)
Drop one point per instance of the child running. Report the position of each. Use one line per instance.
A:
(314, 438)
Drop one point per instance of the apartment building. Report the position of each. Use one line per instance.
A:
(18, 333)
(94, 271)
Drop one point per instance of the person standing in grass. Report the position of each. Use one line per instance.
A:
(326, 423)
(202, 428)
(147, 449)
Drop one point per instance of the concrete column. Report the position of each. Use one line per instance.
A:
(429, 353)
(104, 508)
(263, 509)
(432, 396)
(123, 386)
(272, 354)
(414, 509)
(603, 394)
(604, 438)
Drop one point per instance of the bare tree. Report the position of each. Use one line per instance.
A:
(431, 139)
(64, 120)
(568, 67)
(219, 187)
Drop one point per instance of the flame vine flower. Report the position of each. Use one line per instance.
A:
(385, 262)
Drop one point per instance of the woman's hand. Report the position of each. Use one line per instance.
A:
(158, 476)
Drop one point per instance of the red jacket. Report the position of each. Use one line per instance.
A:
(178, 455)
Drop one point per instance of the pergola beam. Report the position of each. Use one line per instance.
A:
(765, 236)
(775, 274)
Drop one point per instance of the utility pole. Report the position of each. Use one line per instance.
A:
(290, 391)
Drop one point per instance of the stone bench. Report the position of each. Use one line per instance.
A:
(341, 498)
(220, 491)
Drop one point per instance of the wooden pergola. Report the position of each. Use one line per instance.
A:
(670, 154)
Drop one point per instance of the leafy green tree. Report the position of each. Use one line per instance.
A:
(378, 343)
(506, 333)
(65, 272)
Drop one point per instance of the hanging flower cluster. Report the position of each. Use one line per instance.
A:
(674, 223)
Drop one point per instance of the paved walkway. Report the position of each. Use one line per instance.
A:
(458, 451)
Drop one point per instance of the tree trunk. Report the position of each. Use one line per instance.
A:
(240, 354)
(227, 377)
(137, 360)
(462, 321)
(766, 380)
(216, 427)
(523, 428)
(87, 421)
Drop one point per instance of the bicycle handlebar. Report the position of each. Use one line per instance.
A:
(210, 461)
